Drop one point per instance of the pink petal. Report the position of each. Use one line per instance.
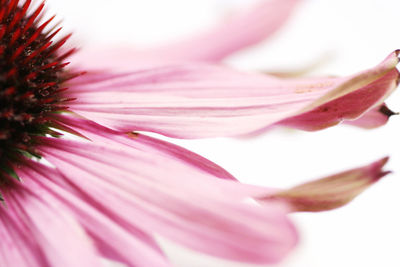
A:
(346, 102)
(199, 100)
(99, 133)
(14, 250)
(374, 118)
(331, 192)
(248, 27)
(162, 195)
(115, 238)
(162, 149)
(35, 232)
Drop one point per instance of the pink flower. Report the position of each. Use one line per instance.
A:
(110, 192)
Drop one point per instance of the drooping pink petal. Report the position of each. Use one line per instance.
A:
(36, 233)
(200, 100)
(162, 150)
(99, 133)
(331, 192)
(374, 118)
(139, 186)
(248, 27)
(115, 238)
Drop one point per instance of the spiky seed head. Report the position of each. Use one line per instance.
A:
(32, 73)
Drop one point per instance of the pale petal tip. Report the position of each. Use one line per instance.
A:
(396, 53)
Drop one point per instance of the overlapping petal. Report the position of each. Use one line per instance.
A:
(113, 237)
(109, 197)
(160, 194)
(119, 193)
(99, 133)
(37, 233)
(200, 100)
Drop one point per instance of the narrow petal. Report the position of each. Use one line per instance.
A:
(16, 246)
(115, 239)
(39, 233)
(99, 133)
(161, 195)
(331, 192)
(200, 100)
(248, 27)
(180, 157)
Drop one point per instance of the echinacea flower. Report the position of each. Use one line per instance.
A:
(108, 193)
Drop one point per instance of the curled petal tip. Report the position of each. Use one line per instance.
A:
(386, 111)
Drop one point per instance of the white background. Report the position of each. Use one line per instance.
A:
(349, 36)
